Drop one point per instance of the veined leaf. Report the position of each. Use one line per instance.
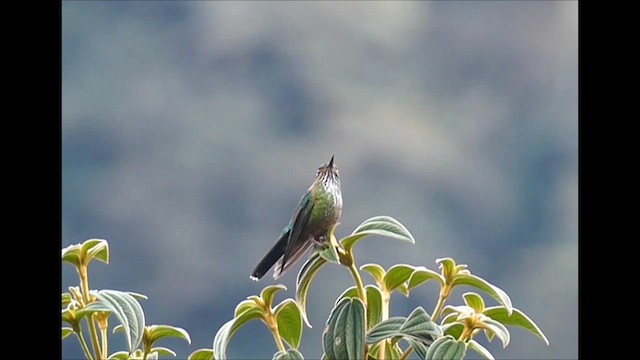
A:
(289, 321)
(479, 283)
(421, 275)
(303, 282)
(201, 354)
(291, 354)
(420, 326)
(419, 348)
(378, 225)
(128, 311)
(374, 302)
(224, 334)
(517, 318)
(154, 333)
(330, 254)
(453, 329)
(475, 346)
(446, 347)
(498, 329)
(385, 329)
(344, 337)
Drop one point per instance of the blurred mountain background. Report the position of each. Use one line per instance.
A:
(190, 130)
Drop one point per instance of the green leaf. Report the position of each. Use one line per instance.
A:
(479, 283)
(421, 275)
(344, 336)
(66, 299)
(475, 346)
(163, 351)
(396, 276)
(385, 329)
(303, 282)
(330, 253)
(94, 307)
(374, 305)
(269, 292)
(201, 354)
(289, 321)
(446, 347)
(291, 354)
(419, 348)
(498, 329)
(96, 249)
(517, 318)
(120, 355)
(420, 326)
(453, 329)
(374, 302)
(244, 306)
(118, 328)
(376, 271)
(392, 352)
(449, 318)
(447, 265)
(128, 310)
(71, 254)
(224, 334)
(154, 333)
(138, 296)
(66, 331)
(378, 225)
(474, 301)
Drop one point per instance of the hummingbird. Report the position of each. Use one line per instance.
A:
(319, 209)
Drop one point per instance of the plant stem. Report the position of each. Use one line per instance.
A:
(104, 325)
(83, 344)
(386, 298)
(273, 327)
(360, 286)
(406, 353)
(444, 295)
(91, 323)
(94, 336)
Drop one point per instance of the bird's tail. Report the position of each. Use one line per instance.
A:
(281, 266)
(271, 257)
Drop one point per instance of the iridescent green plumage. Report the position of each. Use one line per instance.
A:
(318, 210)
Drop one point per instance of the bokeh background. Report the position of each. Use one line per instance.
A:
(190, 130)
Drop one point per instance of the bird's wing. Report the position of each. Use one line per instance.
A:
(300, 219)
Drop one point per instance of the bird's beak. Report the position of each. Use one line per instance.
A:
(331, 162)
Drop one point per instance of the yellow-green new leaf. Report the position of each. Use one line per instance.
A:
(421, 275)
(224, 334)
(376, 271)
(396, 276)
(95, 249)
(154, 333)
(163, 351)
(378, 225)
(289, 321)
(120, 355)
(66, 331)
(268, 293)
(201, 354)
(474, 301)
(244, 306)
(303, 282)
(481, 284)
(517, 318)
